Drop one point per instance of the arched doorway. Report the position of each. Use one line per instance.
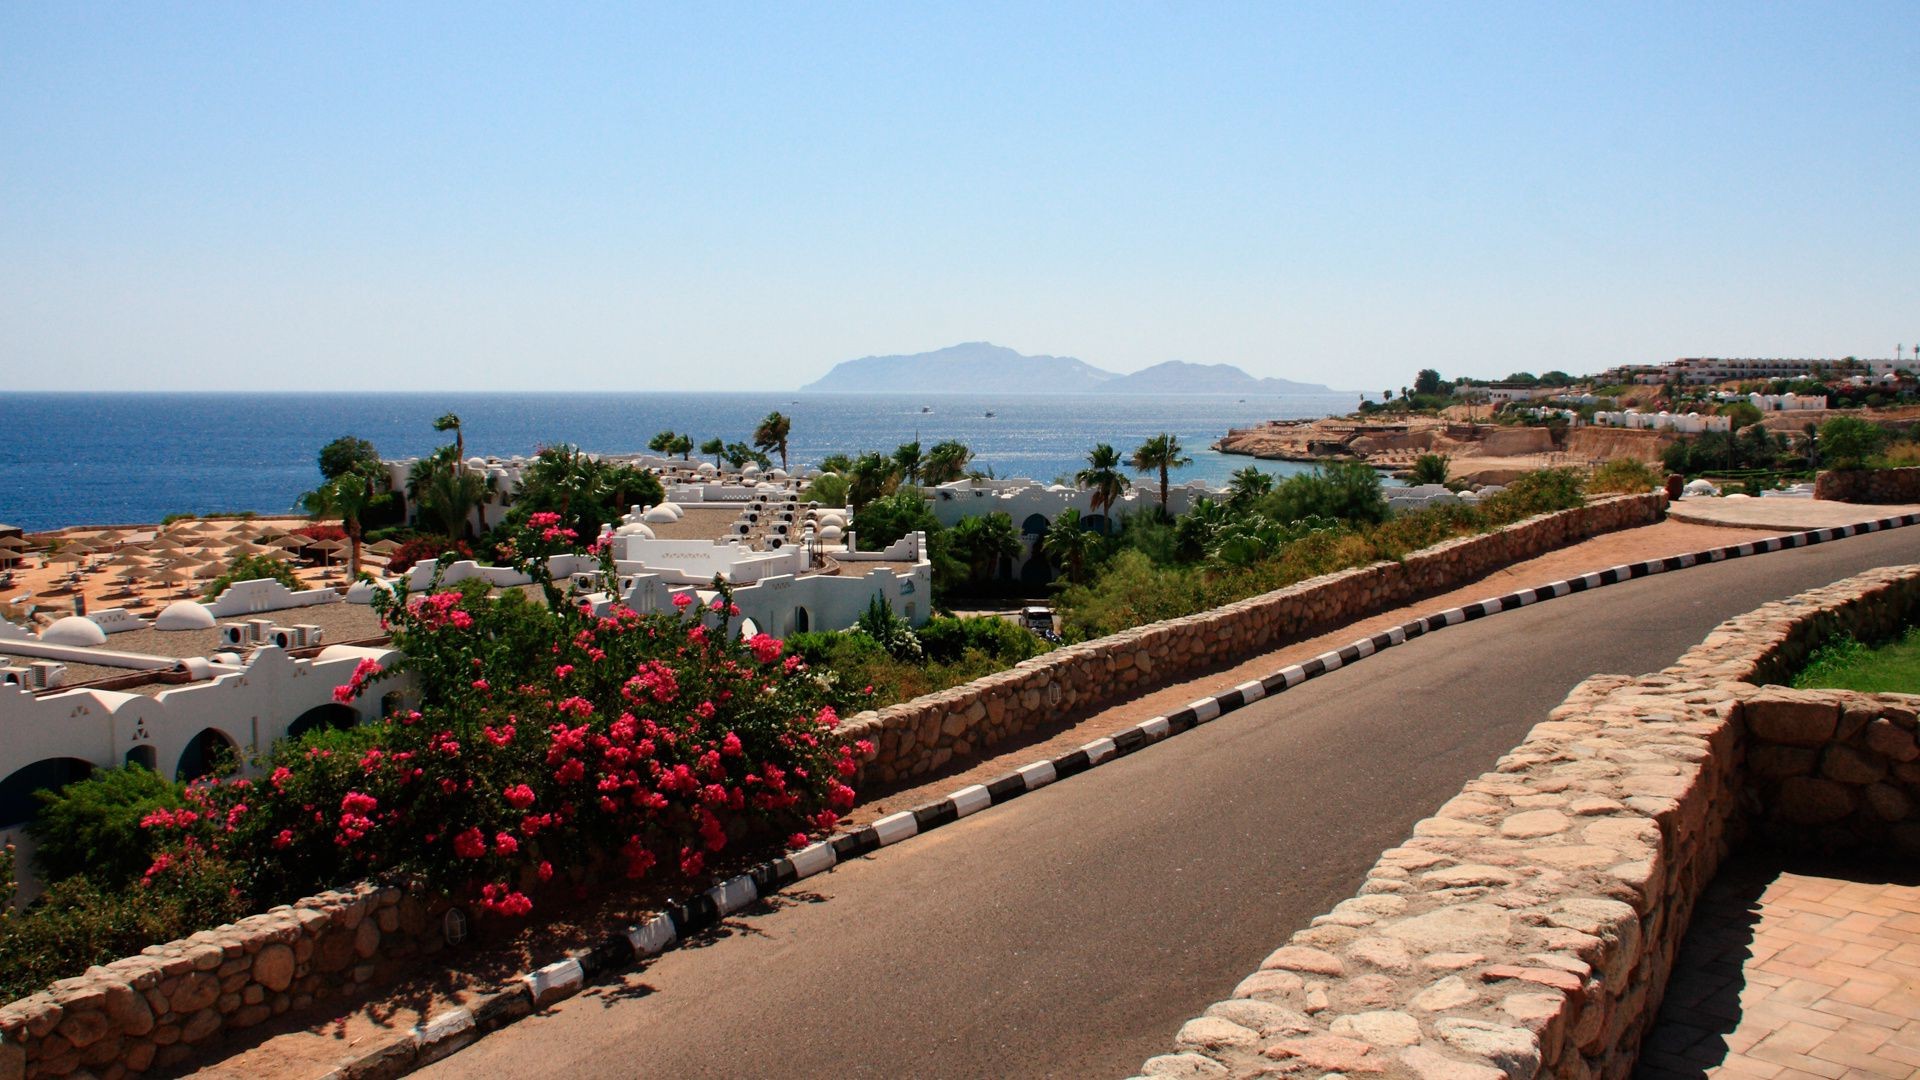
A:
(802, 620)
(144, 756)
(331, 715)
(208, 751)
(1035, 525)
(17, 804)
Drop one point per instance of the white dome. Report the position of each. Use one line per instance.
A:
(659, 515)
(778, 474)
(1701, 487)
(834, 517)
(829, 532)
(74, 630)
(478, 464)
(673, 508)
(751, 469)
(706, 469)
(184, 615)
(636, 529)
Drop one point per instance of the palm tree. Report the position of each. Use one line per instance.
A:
(350, 495)
(716, 447)
(1103, 477)
(945, 463)
(1162, 453)
(909, 458)
(1248, 484)
(451, 422)
(868, 479)
(446, 494)
(836, 463)
(682, 445)
(662, 442)
(772, 434)
(982, 542)
(1069, 546)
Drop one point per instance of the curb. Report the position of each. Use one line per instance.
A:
(447, 1032)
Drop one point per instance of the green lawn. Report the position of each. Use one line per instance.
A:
(1846, 664)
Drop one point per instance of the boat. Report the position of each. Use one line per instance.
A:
(989, 414)
(926, 408)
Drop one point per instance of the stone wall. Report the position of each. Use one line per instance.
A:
(153, 1010)
(918, 736)
(1879, 486)
(1528, 928)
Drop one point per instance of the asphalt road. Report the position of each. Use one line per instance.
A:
(1071, 932)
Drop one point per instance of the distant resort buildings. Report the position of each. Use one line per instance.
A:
(1699, 371)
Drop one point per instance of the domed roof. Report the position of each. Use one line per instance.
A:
(1701, 487)
(659, 515)
(706, 469)
(834, 517)
(478, 463)
(778, 474)
(635, 529)
(74, 630)
(750, 469)
(829, 532)
(673, 508)
(184, 615)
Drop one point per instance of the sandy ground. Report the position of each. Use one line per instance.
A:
(54, 587)
(311, 1045)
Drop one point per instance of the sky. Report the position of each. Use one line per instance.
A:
(709, 197)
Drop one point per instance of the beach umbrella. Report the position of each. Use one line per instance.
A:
(210, 570)
(244, 548)
(384, 547)
(269, 533)
(66, 555)
(291, 542)
(8, 558)
(126, 558)
(17, 543)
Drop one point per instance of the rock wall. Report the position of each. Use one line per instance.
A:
(1878, 486)
(1605, 444)
(1528, 928)
(153, 1010)
(915, 737)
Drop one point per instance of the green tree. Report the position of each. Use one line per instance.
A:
(682, 445)
(715, 447)
(1160, 453)
(945, 463)
(771, 435)
(662, 442)
(1430, 469)
(908, 458)
(451, 422)
(443, 492)
(883, 520)
(1103, 477)
(254, 568)
(1427, 382)
(981, 543)
(1248, 485)
(828, 489)
(583, 490)
(1070, 547)
(345, 454)
(1847, 442)
(92, 826)
(870, 477)
(350, 495)
(739, 455)
(1740, 413)
(1341, 491)
(836, 463)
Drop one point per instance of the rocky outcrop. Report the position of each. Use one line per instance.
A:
(1528, 927)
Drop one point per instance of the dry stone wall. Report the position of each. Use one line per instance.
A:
(1879, 486)
(1528, 928)
(153, 1010)
(916, 737)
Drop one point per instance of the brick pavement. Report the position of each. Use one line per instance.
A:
(1794, 973)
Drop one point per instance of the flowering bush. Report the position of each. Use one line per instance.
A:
(425, 549)
(548, 737)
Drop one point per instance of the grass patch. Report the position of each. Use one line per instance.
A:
(1846, 664)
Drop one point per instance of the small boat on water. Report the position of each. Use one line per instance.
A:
(989, 414)
(926, 408)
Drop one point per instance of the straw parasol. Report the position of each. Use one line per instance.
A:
(17, 543)
(291, 542)
(210, 570)
(67, 555)
(247, 548)
(384, 547)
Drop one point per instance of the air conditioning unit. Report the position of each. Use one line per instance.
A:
(16, 676)
(261, 629)
(310, 635)
(283, 637)
(627, 583)
(46, 675)
(585, 583)
(238, 634)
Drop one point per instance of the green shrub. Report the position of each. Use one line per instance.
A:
(1343, 491)
(92, 827)
(947, 640)
(1625, 476)
(1539, 492)
(893, 633)
(171, 518)
(1430, 469)
(1846, 442)
(254, 568)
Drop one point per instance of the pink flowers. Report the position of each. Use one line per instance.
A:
(519, 796)
(766, 648)
(471, 844)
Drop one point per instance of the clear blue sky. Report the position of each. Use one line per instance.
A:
(280, 196)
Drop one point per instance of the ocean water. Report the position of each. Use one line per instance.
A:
(82, 458)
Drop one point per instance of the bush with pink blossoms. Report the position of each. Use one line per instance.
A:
(547, 737)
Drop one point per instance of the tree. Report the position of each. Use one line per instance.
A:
(1430, 469)
(451, 422)
(945, 463)
(908, 457)
(1248, 484)
(1427, 382)
(662, 442)
(883, 520)
(346, 453)
(1162, 452)
(836, 463)
(870, 477)
(442, 490)
(739, 454)
(583, 490)
(1341, 490)
(1739, 414)
(827, 489)
(350, 495)
(682, 445)
(1069, 546)
(1103, 477)
(716, 447)
(772, 434)
(982, 542)
(1846, 442)
(254, 568)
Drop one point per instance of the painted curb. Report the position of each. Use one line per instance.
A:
(449, 1031)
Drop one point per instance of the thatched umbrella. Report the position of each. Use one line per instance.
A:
(249, 549)
(67, 555)
(291, 542)
(329, 548)
(17, 543)
(210, 570)
(384, 547)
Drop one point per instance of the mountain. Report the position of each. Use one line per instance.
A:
(979, 366)
(969, 368)
(1180, 377)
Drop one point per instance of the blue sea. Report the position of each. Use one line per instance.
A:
(96, 459)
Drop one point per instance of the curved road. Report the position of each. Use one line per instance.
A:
(1071, 932)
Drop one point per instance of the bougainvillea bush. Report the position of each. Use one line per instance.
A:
(547, 739)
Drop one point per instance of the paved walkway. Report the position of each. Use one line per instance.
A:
(1784, 514)
(1787, 974)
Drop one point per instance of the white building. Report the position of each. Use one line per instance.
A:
(1680, 423)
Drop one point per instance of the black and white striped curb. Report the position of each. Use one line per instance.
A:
(449, 1031)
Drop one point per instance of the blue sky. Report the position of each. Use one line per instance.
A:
(255, 196)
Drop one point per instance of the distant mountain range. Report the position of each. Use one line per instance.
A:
(978, 366)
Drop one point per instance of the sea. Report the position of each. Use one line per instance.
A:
(127, 458)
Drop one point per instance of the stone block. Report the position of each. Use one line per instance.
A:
(1793, 717)
(273, 967)
(1851, 766)
(1891, 741)
(1806, 800)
